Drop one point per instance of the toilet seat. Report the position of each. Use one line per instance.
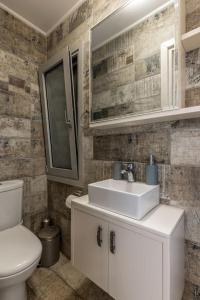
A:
(19, 249)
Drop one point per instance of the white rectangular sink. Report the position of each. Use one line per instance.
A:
(132, 199)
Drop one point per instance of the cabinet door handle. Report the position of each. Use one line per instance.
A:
(112, 242)
(99, 236)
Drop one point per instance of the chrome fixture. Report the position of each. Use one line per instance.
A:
(130, 171)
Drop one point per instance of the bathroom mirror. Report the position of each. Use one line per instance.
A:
(133, 61)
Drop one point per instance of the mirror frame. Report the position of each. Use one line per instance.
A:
(178, 112)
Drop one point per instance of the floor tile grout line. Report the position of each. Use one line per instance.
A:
(66, 283)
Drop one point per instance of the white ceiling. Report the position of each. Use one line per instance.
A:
(43, 15)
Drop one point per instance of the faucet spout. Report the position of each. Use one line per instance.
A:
(130, 176)
(130, 172)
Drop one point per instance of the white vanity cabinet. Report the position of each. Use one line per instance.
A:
(136, 257)
(129, 259)
(89, 257)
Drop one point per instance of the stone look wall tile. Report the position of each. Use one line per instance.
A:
(137, 147)
(17, 105)
(192, 97)
(193, 68)
(148, 67)
(73, 29)
(21, 40)
(35, 104)
(115, 79)
(36, 130)
(18, 82)
(98, 170)
(192, 252)
(15, 168)
(185, 145)
(15, 127)
(178, 173)
(80, 15)
(192, 15)
(38, 202)
(33, 220)
(183, 191)
(107, 60)
(21, 139)
(15, 148)
(38, 184)
(37, 148)
(59, 213)
(57, 194)
(192, 291)
(38, 166)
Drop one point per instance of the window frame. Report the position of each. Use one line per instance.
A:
(62, 57)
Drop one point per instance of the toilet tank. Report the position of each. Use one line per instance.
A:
(10, 203)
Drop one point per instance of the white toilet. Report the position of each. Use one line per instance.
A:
(20, 249)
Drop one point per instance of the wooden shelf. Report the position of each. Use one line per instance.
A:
(191, 39)
(162, 116)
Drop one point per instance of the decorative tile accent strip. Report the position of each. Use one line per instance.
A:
(20, 83)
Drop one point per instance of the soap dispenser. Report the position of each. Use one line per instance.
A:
(152, 172)
(116, 173)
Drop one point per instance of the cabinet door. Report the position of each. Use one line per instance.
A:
(90, 247)
(135, 266)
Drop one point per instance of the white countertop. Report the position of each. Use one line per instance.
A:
(161, 220)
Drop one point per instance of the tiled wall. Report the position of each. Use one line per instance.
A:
(193, 78)
(192, 57)
(22, 50)
(73, 31)
(193, 12)
(176, 145)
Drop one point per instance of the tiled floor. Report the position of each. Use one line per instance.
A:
(62, 282)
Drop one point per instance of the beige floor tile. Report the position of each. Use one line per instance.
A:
(62, 261)
(63, 282)
(83, 286)
(55, 289)
(38, 278)
(71, 276)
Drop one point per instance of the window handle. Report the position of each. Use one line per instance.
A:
(99, 236)
(67, 122)
(112, 242)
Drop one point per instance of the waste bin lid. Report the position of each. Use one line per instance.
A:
(49, 232)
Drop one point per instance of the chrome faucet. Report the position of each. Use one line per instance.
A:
(130, 171)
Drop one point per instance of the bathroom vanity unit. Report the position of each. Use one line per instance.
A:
(130, 259)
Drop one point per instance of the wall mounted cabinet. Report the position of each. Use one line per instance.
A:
(130, 259)
(89, 257)
(171, 109)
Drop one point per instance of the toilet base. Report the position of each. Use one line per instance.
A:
(15, 292)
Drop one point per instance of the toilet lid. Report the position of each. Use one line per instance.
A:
(19, 249)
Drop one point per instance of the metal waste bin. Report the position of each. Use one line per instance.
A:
(50, 239)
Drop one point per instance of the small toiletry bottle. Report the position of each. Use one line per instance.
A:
(152, 172)
(117, 167)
